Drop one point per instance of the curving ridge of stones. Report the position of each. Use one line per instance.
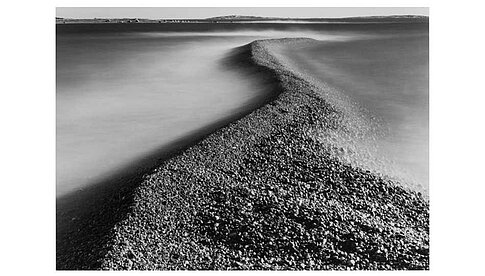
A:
(268, 192)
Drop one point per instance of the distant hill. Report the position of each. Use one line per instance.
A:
(390, 18)
(241, 17)
(252, 19)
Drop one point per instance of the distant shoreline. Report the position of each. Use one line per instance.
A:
(249, 20)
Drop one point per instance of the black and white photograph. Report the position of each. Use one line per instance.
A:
(254, 138)
(242, 139)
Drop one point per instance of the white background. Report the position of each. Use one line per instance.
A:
(27, 130)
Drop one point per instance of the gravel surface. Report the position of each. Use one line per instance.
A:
(267, 192)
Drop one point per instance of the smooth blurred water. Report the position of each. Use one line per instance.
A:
(124, 91)
(121, 97)
(388, 76)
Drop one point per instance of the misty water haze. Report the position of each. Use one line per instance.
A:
(123, 93)
(388, 76)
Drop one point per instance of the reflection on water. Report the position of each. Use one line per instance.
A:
(125, 91)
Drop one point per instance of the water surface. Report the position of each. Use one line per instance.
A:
(388, 76)
(121, 97)
(126, 90)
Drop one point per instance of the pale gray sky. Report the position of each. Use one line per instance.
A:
(156, 13)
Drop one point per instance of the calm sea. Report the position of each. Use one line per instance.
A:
(127, 90)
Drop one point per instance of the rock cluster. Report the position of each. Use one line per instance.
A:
(263, 193)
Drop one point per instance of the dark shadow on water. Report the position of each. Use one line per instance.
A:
(84, 219)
